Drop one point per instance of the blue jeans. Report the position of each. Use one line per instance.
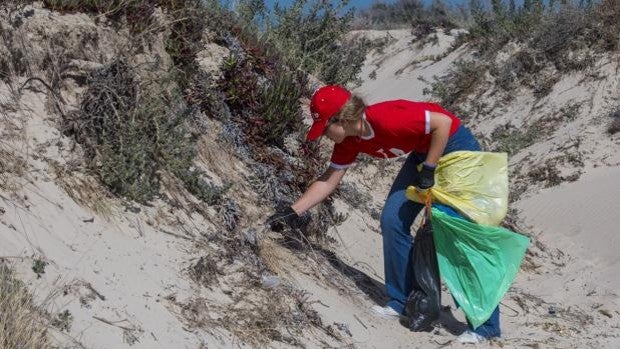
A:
(396, 220)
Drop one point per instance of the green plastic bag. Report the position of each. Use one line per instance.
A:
(477, 262)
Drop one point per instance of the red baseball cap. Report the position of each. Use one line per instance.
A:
(325, 103)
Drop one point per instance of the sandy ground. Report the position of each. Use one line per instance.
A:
(581, 218)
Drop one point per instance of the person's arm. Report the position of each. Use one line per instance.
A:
(319, 190)
(440, 132)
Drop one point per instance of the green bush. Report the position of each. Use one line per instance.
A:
(408, 13)
(309, 35)
(280, 106)
(131, 133)
(551, 31)
(564, 37)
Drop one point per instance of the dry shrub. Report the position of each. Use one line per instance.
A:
(10, 162)
(566, 38)
(460, 81)
(566, 30)
(12, 167)
(84, 189)
(132, 131)
(136, 12)
(510, 139)
(407, 13)
(259, 317)
(609, 12)
(22, 324)
(614, 126)
(205, 271)
(12, 56)
(273, 255)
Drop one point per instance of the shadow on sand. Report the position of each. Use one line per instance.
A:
(376, 292)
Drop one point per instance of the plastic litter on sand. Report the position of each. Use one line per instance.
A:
(470, 337)
(385, 312)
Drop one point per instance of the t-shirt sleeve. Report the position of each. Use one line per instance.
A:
(407, 118)
(343, 155)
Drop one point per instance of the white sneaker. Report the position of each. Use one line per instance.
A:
(386, 312)
(470, 337)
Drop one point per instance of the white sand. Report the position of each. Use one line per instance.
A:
(582, 219)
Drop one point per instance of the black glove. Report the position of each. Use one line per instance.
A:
(426, 177)
(283, 217)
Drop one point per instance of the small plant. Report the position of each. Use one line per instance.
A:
(543, 84)
(614, 126)
(38, 266)
(547, 174)
(63, 321)
(354, 197)
(205, 271)
(509, 139)
(571, 111)
(458, 83)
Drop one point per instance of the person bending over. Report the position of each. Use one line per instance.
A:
(387, 129)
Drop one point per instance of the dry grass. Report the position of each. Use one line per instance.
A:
(13, 159)
(22, 324)
(84, 190)
(258, 317)
(557, 319)
(11, 166)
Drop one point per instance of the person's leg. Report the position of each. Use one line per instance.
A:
(490, 328)
(462, 139)
(396, 220)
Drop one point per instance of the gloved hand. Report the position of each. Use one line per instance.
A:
(426, 177)
(284, 216)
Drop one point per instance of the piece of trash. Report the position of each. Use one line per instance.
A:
(344, 328)
(605, 312)
(88, 220)
(250, 237)
(269, 281)
(552, 310)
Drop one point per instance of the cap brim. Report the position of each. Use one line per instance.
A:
(316, 130)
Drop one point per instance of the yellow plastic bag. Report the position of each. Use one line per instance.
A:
(473, 183)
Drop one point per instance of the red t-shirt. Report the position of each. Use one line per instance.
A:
(397, 128)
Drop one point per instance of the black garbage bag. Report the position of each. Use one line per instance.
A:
(424, 301)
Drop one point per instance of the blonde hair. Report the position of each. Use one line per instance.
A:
(352, 110)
